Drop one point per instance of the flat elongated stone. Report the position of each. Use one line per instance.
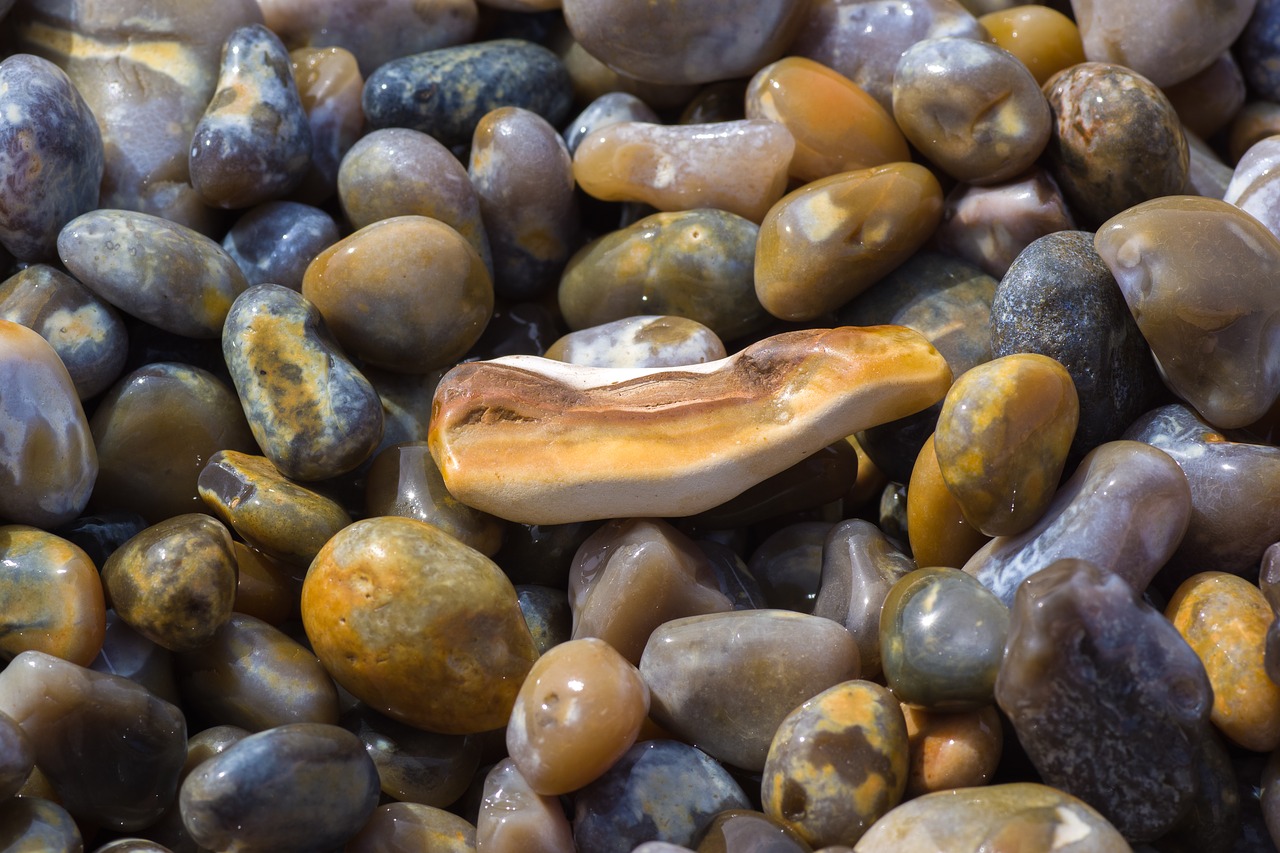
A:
(667, 442)
(50, 596)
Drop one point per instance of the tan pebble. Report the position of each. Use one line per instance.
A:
(959, 750)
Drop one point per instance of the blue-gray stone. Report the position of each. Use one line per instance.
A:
(274, 242)
(1258, 50)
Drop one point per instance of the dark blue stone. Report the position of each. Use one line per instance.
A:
(274, 242)
(100, 535)
(446, 92)
(1258, 50)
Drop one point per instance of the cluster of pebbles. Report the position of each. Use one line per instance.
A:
(554, 425)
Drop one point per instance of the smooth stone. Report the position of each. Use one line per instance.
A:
(640, 341)
(253, 143)
(787, 565)
(407, 294)
(274, 242)
(415, 766)
(48, 462)
(837, 126)
(816, 481)
(50, 595)
(830, 240)
(838, 762)
(1270, 796)
(132, 845)
(1253, 187)
(1207, 174)
(725, 681)
(255, 677)
(952, 750)
(406, 404)
(266, 588)
(1059, 299)
(693, 264)
(579, 710)
(50, 152)
(156, 270)
(937, 530)
(1125, 509)
(1043, 39)
(830, 384)
(1208, 332)
(639, 560)
(445, 92)
(609, 108)
(892, 513)
(1087, 659)
(592, 78)
(130, 655)
(547, 613)
(972, 108)
(749, 832)
(298, 787)
(175, 582)
(417, 625)
(1256, 50)
(1002, 440)
(1013, 816)
(1116, 142)
(311, 411)
(1206, 102)
(942, 637)
(17, 757)
(285, 520)
(36, 825)
(111, 750)
(661, 790)
(738, 166)
(732, 576)
(411, 827)
(330, 86)
(515, 819)
(1255, 121)
(1224, 618)
(85, 331)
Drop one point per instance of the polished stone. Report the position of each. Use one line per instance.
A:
(952, 750)
(640, 341)
(515, 819)
(937, 530)
(274, 242)
(330, 86)
(412, 827)
(415, 766)
(1043, 39)
(50, 595)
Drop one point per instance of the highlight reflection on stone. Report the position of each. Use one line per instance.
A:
(50, 595)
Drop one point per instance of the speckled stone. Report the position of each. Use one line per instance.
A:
(273, 242)
(394, 608)
(299, 787)
(515, 819)
(640, 341)
(50, 595)
(159, 271)
(50, 152)
(446, 92)
(415, 766)
(838, 762)
(330, 86)
(311, 411)
(952, 750)
(411, 827)
(661, 790)
(36, 825)
(1087, 658)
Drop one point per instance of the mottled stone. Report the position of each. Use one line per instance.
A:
(1209, 332)
(50, 153)
(937, 530)
(50, 596)
(446, 92)
(36, 825)
(17, 757)
(1043, 39)
(410, 827)
(952, 750)
(299, 787)
(1086, 659)
(825, 243)
(330, 87)
(110, 749)
(694, 264)
(415, 766)
(609, 108)
(514, 818)
(640, 341)
(274, 242)
(837, 763)
(311, 411)
(417, 625)
(158, 271)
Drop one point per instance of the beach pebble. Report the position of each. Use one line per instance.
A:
(274, 242)
(514, 818)
(52, 597)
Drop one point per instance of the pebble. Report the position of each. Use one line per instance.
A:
(642, 340)
(415, 766)
(1208, 101)
(51, 597)
(330, 87)
(266, 588)
(1043, 39)
(1253, 187)
(739, 829)
(274, 242)
(514, 818)
(17, 757)
(609, 108)
(410, 827)
(788, 565)
(952, 750)
(130, 655)
(937, 530)
(817, 480)
(547, 613)
(1257, 50)
(37, 825)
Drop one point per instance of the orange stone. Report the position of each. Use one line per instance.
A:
(1046, 40)
(936, 526)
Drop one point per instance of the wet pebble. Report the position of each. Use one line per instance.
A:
(937, 530)
(51, 597)
(37, 825)
(609, 108)
(1042, 38)
(410, 827)
(514, 818)
(415, 766)
(274, 242)
(130, 655)
(739, 829)
(266, 588)
(17, 757)
(1253, 187)
(952, 750)
(330, 87)
(640, 341)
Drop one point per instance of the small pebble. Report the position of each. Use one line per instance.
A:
(937, 530)
(330, 87)
(274, 242)
(952, 750)
(51, 596)
(36, 825)
(1043, 39)
(640, 341)
(515, 819)
(742, 830)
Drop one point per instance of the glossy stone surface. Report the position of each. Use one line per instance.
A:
(417, 625)
(815, 481)
(972, 108)
(311, 411)
(130, 655)
(255, 677)
(787, 565)
(1116, 141)
(579, 710)
(952, 750)
(591, 422)
(51, 153)
(415, 766)
(1043, 39)
(1017, 815)
(159, 271)
(50, 596)
(640, 341)
(725, 681)
(937, 530)
(1208, 330)
(1086, 659)
(36, 825)
(695, 264)
(445, 92)
(409, 827)
(830, 240)
(110, 749)
(609, 108)
(1002, 440)
(274, 242)
(1060, 300)
(407, 294)
(330, 87)
(1253, 185)
(1125, 509)
(48, 463)
(17, 757)
(738, 829)
(174, 582)
(515, 819)
(739, 166)
(660, 790)
(304, 786)
(837, 763)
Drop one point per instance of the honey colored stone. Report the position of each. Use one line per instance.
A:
(329, 86)
(641, 341)
(411, 827)
(1043, 39)
(606, 443)
(50, 595)
(515, 819)
(266, 588)
(1225, 618)
(406, 294)
(952, 750)
(937, 529)
(417, 625)
(738, 166)
(580, 708)
(828, 241)
(1003, 437)
(837, 126)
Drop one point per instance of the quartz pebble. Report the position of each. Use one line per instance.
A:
(515, 819)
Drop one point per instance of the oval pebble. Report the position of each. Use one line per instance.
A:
(274, 242)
